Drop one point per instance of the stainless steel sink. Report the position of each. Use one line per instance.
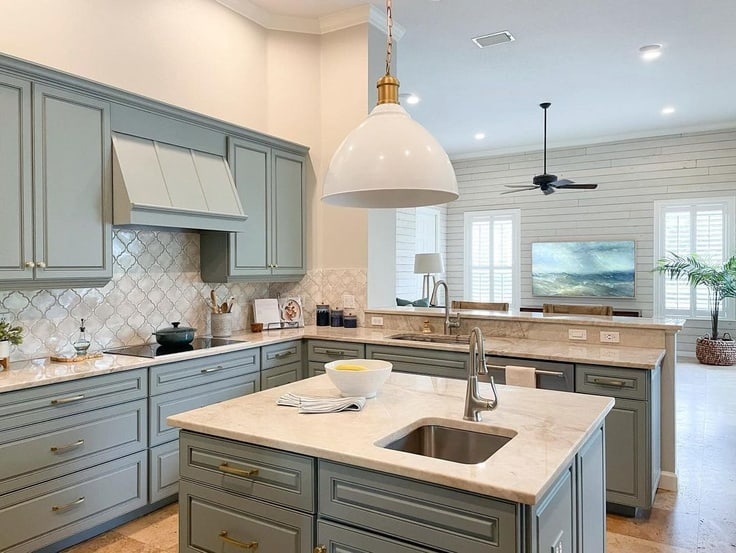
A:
(450, 444)
(438, 338)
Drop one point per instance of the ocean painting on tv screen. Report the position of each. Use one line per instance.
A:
(583, 269)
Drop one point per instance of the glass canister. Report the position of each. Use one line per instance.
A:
(336, 317)
(323, 314)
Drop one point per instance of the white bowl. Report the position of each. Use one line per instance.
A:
(362, 383)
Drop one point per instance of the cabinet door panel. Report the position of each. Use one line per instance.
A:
(15, 178)
(288, 225)
(72, 185)
(250, 249)
(625, 453)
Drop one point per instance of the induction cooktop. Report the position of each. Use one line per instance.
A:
(157, 350)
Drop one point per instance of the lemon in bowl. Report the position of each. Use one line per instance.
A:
(358, 377)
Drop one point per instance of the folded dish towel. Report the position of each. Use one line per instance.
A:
(521, 376)
(307, 404)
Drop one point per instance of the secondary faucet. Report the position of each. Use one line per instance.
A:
(474, 402)
(450, 323)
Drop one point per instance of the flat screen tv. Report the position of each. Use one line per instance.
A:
(583, 269)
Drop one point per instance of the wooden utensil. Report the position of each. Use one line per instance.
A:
(215, 305)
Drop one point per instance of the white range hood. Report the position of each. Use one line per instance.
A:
(162, 185)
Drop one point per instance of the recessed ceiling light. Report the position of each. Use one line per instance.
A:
(479, 135)
(650, 52)
(493, 39)
(667, 110)
(410, 98)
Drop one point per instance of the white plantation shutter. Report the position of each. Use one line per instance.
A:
(691, 226)
(491, 256)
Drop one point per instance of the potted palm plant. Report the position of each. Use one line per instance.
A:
(9, 334)
(720, 280)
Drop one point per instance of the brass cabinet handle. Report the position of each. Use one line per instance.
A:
(212, 369)
(320, 549)
(252, 545)
(282, 354)
(224, 467)
(41, 264)
(29, 264)
(57, 508)
(603, 381)
(67, 447)
(334, 352)
(67, 399)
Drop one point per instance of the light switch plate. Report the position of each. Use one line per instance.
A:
(609, 337)
(577, 334)
(348, 301)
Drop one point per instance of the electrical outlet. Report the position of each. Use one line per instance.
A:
(348, 301)
(377, 321)
(609, 337)
(577, 334)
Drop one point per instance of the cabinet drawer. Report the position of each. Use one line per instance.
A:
(447, 364)
(163, 469)
(48, 512)
(270, 378)
(184, 374)
(611, 381)
(325, 351)
(284, 478)
(173, 403)
(422, 513)
(42, 451)
(315, 368)
(561, 377)
(341, 539)
(277, 355)
(23, 407)
(213, 520)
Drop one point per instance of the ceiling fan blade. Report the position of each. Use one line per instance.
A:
(578, 186)
(561, 182)
(548, 190)
(524, 186)
(519, 190)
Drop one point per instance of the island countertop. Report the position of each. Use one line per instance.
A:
(550, 427)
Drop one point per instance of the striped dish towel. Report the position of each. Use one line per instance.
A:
(307, 404)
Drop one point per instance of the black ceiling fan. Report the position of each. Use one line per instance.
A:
(545, 182)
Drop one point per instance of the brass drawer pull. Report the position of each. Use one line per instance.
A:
(67, 447)
(603, 381)
(212, 369)
(334, 352)
(57, 508)
(252, 545)
(67, 399)
(283, 354)
(237, 472)
(320, 549)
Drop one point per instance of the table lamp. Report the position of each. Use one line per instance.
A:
(428, 264)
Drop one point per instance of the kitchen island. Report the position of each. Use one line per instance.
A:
(247, 461)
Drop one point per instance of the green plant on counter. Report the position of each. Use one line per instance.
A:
(720, 280)
(13, 334)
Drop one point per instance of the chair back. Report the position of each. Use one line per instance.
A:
(569, 309)
(462, 304)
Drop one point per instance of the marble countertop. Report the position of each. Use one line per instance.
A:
(38, 372)
(550, 427)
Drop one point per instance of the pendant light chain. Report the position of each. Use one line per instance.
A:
(389, 36)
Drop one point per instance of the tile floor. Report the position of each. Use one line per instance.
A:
(700, 517)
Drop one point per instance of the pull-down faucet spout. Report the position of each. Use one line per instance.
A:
(474, 402)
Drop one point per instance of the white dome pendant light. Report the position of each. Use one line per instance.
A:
(389, 160)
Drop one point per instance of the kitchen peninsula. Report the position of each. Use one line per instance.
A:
(254, 472)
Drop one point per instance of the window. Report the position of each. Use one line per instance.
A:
(492, 256)
(703, 227)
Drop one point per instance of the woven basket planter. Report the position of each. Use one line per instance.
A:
(715, 352)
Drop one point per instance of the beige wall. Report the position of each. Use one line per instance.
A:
(201, 56)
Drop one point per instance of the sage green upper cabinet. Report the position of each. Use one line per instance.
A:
(271, 186)
(57, 220)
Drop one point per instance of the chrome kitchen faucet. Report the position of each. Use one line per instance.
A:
(450, 323)
(474, 402)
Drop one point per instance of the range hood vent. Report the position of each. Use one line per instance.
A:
(162, 185)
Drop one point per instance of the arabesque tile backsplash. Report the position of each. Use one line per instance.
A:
(156, 280)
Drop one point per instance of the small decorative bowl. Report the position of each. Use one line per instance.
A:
(358, 377)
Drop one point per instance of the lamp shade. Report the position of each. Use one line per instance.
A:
(389, 161)
(425, 263)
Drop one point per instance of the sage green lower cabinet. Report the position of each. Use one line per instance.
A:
(183, 386)
(281, 363)
(447, 364)
(234, 495)
(320, 352)
(632, 433)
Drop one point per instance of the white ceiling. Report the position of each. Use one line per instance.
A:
(581, 55)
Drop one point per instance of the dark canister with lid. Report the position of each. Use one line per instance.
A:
(336, 317)
(323, 314)
(350, 321)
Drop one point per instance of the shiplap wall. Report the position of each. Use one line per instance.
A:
(406, 228)
(631, 175)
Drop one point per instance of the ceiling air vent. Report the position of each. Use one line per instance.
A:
(493, 39)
